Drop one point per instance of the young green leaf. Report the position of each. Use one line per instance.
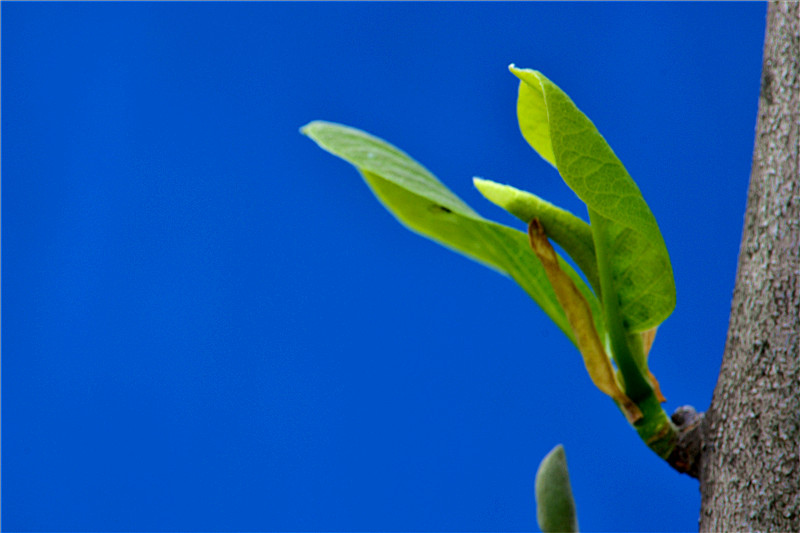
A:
(640, 272)
(570, 232)
(555, 506)
(421, 202)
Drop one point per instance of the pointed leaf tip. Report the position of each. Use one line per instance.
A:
(308, 129)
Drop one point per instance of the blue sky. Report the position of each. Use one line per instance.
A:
(210, 324)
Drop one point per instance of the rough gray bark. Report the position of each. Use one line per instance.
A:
(749, 469)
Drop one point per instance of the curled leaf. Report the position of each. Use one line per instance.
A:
(579, 316)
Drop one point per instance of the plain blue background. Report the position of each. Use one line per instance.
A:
(210, 324)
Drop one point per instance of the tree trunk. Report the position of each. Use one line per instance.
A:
(749, 469)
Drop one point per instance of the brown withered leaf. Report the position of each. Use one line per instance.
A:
(579, 317)
(647, 341)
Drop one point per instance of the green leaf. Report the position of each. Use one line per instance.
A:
(568, 231)
(555, 507)
(418, 200)
(640, 273)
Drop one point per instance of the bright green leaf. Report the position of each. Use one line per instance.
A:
(421, 202)
(536, 126)
(640, 273)
(568, 231)
(555, 507)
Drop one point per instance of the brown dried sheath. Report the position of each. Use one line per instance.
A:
(579, 316)
(647, 341)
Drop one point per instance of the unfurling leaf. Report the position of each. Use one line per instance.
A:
(555, 506)
(580, 319)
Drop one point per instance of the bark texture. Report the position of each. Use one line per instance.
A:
(750, 472)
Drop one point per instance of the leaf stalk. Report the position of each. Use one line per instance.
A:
(623, 344)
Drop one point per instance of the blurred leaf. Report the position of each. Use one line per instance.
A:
(555, 507)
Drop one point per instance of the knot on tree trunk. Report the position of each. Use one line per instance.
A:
(685, 457)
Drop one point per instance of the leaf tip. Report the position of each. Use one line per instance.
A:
(512, 68)
(483, 186)
(534, 226)
(522, 73)
(309, 129)
(501, 195)
(558, 453)
(543, 250)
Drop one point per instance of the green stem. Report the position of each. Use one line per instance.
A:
(637, 387)
(655, 428)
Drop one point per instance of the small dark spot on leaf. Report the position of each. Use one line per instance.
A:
(440, 208)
